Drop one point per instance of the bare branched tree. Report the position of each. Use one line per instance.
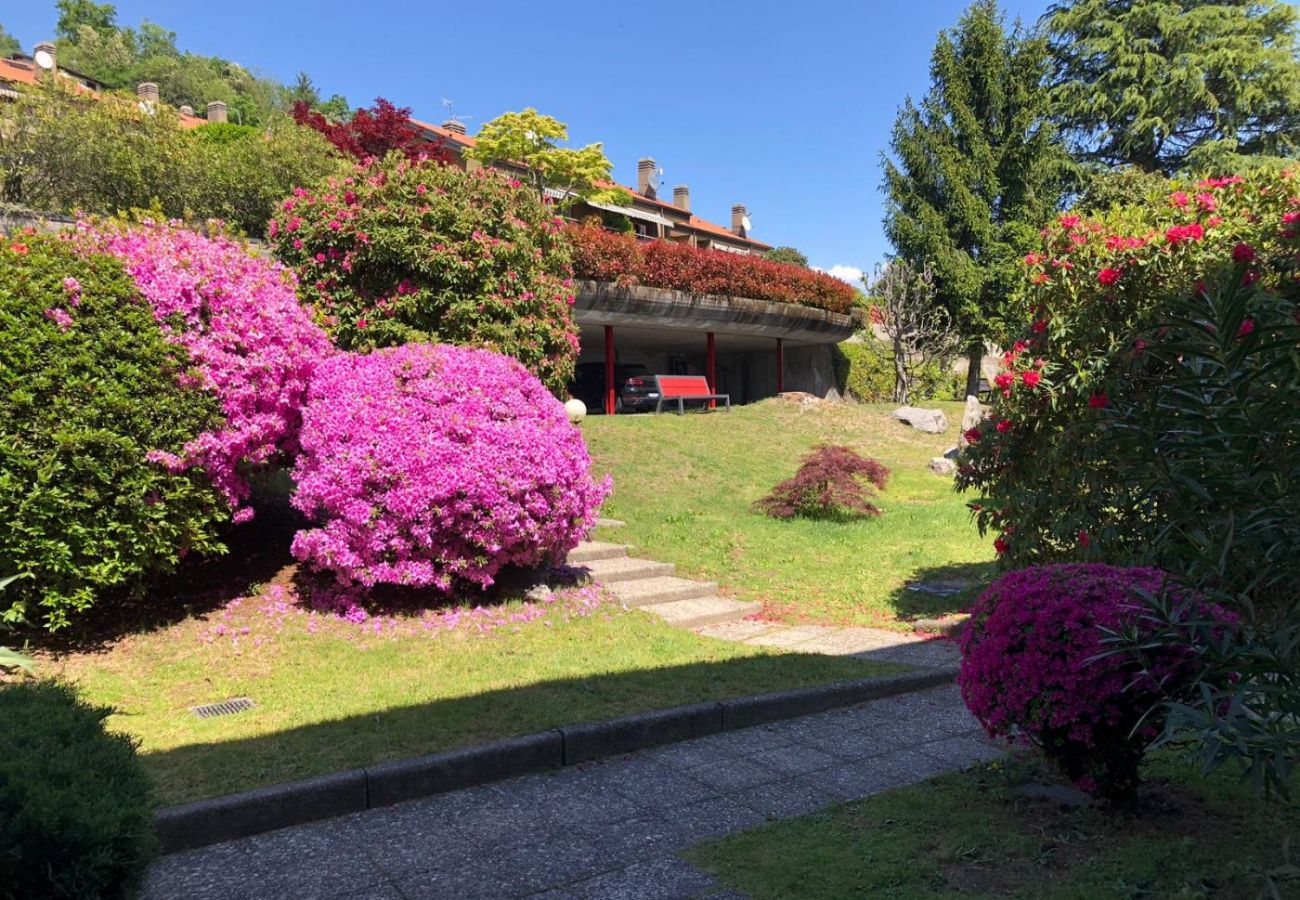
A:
(918, 329)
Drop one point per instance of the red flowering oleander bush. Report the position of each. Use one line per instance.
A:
(253, 345)
(1035, 668)
(833, 482)
(600, 255)
(1059, 478)
(432, 465)
(89, 389)
(408, 251)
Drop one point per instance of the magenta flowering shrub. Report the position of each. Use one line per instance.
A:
(432, 465)
(253, 345)
(1035, 667)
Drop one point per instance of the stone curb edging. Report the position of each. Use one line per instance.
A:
(276, 806)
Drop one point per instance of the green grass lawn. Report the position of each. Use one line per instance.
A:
(684, 485)
(972, 835)
(331, 695)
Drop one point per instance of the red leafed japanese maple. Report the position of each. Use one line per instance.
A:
(372, 132)
(834, 482)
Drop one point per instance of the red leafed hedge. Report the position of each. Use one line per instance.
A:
(600, 255)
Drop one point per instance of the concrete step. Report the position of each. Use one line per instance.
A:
(663, 589)
(602, 522)
(616, 569)
(592, 550)
(700, 612)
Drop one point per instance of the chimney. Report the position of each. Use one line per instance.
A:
(682, 197)
(738, 213)
(187, 110)
(217, 112)
(45, 59)
(456, 126)
(148, 92)
(645, 173)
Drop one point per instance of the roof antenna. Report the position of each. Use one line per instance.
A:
(452, 117)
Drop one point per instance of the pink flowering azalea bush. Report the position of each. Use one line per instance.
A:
(89, 389)
(1035, 667)
(435, 466)
(253, 345)
(1058, 478)
(407, 251)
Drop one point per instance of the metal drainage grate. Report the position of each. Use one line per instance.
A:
(224, 708)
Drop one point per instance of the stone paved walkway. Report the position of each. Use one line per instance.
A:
(655, 588)
(609, 830)
(865, 643)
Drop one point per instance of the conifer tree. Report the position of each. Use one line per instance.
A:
(1173, 85)
(976, 170)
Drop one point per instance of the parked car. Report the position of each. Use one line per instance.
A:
(640, 393)
(589, 382)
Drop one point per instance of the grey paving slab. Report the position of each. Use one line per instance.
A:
(609, 829)
(413, 837)
(556, 862)
(785, 799)
(382, 892)
(732, 774)
(479, 879)
(711, 819)
(705, 751)
(631, 840)
(312, 861)
(665, 878)
(795, 759)
(963, 750)
(662, 787)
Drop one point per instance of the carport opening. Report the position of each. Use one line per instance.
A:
(744, 366)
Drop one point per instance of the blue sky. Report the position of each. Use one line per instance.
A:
(783, 107)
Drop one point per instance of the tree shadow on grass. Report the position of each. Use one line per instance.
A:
(937, 591)
(222, 766)
(258, 556)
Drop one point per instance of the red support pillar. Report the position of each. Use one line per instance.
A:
(609, 370)
(780, 366)
(711, 369)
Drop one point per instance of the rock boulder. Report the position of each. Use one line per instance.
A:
(931, 421)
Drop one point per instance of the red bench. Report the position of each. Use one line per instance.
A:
(685, 387)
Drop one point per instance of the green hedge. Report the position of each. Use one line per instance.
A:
(865, 371)
(88, 387)
(75, 817)
(64, 153)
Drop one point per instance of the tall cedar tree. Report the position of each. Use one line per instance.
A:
(976, 170)
(1172, 85)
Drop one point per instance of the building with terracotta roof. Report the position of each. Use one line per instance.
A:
(746, 348)
(20, 70)
(651, 216)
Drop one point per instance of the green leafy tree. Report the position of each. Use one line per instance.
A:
(335, 109)
(788, 255)
(530, 140)
(77, 14)
(90, 41)
(8, 43)
(1174, 85)
(976, 171)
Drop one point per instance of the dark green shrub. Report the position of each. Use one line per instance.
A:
(865, 371)
(75, 818)
(88, 387)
